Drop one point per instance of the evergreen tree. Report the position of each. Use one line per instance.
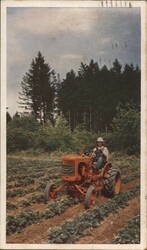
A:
(91, 97)
(9, 118)
(38, 89)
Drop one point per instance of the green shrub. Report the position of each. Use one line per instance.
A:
(125, 134)
(21, 133)
(83, 139)
(19, 139)
(54, 138)
(27, 134)
(28, 123)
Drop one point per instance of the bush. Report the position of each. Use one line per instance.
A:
(21, 133)
(27, 134)
(27, 123)
(54, 138)
(83, 139)
(126, 130)
(18, 139)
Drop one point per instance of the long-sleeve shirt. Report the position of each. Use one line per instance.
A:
(104, 150)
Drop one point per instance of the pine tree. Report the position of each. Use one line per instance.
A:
(9, 118)
(38, 89)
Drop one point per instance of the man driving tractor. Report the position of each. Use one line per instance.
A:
(100, 154)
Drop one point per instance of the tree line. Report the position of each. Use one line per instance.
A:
(88, 98)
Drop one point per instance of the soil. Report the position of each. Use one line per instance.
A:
(35, 207)
(40, 230)
(16, 199)
(106, 231)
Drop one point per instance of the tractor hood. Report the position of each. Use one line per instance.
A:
(71, 158)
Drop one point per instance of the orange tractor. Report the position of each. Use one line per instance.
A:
(82, 178)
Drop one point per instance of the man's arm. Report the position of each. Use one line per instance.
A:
(106, 153)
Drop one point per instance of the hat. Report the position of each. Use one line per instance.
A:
(100, 139)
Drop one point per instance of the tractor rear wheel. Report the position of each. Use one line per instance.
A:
(49, 192)
(90, 197)
(112, 182)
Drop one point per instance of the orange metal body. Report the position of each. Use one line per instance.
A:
(84, 176)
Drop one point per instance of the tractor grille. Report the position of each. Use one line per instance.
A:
(68, 170)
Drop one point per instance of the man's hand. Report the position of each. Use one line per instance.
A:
(93, 155)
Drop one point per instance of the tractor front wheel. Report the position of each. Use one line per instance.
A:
(90, 197)
(49, 192)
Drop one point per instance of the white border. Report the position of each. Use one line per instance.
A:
(47, 3)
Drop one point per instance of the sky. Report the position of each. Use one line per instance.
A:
(66, 37)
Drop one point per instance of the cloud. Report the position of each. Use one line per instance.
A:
(53, 20)
(72, 56)
(67, 36)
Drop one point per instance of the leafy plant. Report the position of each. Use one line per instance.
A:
(11, 206)
(130, 234)
(72, 230)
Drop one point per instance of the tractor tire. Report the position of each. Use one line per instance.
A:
(90, 197)
(48, 190)
(112, 182)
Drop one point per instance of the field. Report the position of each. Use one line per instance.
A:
(32, 220)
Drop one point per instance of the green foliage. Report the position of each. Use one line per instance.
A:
(8, 117)
(131, 178)
(17, 169)
(18, 139)
(24, 203)
(38, 90)
(83, 139)
(20, 133)
(11, 206)
(26, 133)
(18, 222)
(91, 96)
(130, 234)
(72, 230)
(19, 192)
(34, 170)
(27, 123)
(126, 130)
(54, 138)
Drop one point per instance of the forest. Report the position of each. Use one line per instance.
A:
(95, 100)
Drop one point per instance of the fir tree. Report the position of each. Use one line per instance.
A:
(38, 89)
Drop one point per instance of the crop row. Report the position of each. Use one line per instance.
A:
(17, 223)
(20, 166)
(38, 174)
(11, 206)
(130, 164)
(42, 184)
(22, 183)
(20, 192)
(131, 178)
(21, 177)
(27, 180)
(130, 170)
(130, 234)
(72, 230)
(39, 198)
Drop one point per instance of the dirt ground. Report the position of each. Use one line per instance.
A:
(105, 232)
(37, 233)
